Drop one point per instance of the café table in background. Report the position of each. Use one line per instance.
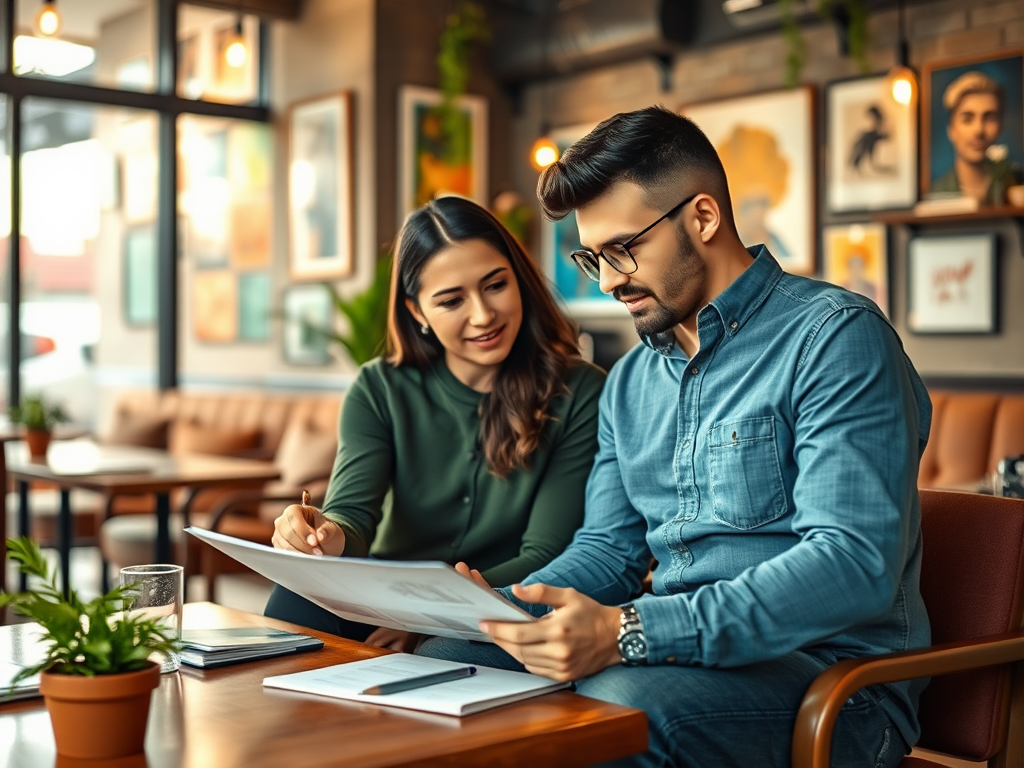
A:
(113, 470)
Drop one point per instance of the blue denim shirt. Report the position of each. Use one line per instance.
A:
(773, 477)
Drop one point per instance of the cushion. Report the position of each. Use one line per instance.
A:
(192, 437)
(140, 429)
(305, 454)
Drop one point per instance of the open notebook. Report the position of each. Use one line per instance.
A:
(488, 688)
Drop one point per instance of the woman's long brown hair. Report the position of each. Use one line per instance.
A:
(512, 419)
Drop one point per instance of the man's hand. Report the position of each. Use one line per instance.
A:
(305, 529)
(577, 639)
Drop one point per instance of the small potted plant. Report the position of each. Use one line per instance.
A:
(96, 677)
(39, 417)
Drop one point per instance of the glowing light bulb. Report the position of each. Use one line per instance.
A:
(903, 85)
(236, 54)
(48, 20)
(544, 153)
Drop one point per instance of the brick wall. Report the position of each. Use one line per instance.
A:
(936, 30)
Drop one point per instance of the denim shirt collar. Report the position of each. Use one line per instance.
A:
(735, 304)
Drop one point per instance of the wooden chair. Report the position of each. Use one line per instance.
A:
(972, 580)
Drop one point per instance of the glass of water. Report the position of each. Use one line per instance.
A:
(158, 589)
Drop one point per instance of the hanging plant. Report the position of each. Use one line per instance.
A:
(468, 25)
(852, 18)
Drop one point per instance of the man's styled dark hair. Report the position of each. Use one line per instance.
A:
(658, 150)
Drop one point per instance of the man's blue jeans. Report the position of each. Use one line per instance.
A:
(721, 718)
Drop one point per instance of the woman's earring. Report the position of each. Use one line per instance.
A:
(425, 329)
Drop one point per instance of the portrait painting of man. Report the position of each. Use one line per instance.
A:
(975, 111)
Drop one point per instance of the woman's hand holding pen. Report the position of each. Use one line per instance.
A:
(303, 528)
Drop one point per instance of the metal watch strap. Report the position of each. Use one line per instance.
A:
(632, 642)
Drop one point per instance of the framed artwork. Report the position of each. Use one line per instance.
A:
(306, 308)
(215, 305)
(581, 295)
(766, 142)
(205, 196)
(140, 278)
(952, 284)
(320, 188)
(872, 147)
(957, 95)
(254, 306)
(855, 257)
(440, 154)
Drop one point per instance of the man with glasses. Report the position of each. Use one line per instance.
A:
(762, 444)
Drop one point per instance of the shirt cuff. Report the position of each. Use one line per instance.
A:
(669, 629)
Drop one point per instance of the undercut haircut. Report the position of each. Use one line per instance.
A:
(656, 149)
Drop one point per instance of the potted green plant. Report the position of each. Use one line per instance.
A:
(96, 677)
(366, 316)
(39, 417)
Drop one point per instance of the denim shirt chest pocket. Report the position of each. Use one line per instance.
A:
(746, 477)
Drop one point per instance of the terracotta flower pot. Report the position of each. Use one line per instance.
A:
(38, 441)
(99, 717)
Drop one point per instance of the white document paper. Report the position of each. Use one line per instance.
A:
(430, 598)
(488, 688)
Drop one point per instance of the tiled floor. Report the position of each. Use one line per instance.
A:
(247, 592)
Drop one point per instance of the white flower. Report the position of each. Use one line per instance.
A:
(996, 153)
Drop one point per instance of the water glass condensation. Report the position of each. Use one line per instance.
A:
(158, 589)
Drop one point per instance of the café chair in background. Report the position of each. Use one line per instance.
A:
(972, 580)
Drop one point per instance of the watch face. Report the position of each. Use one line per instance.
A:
(633, 646)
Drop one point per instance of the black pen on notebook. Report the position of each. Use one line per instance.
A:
(421, 681)
(307, 513)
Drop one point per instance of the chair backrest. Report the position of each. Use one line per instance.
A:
(972, 581)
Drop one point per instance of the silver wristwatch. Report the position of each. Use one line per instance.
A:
(632, 643)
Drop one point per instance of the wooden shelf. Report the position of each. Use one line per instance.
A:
(982, 214)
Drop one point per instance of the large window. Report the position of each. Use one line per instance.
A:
(88, 249)
(99, 221)
(111, 43)
(217, 55)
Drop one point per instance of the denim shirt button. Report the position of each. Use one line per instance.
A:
(694, 370)
(734, 325)
(465, 499)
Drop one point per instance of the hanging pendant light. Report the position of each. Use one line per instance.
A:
(236, 54)
(902, 80)
(48, 19)
(544, 151)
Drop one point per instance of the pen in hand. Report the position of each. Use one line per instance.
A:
(309, 513)
(421, 681)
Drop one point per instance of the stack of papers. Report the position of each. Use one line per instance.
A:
(25, 644)
(25, 689)
(487, 688)
(216, 647)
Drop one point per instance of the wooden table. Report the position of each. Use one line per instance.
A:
(8, 433)
(112, 470)
(223, 717)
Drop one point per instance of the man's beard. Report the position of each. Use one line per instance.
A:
(662, 317)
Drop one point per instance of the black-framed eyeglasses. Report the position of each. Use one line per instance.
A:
(617, 255)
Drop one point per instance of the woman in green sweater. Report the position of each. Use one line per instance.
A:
(473, 439)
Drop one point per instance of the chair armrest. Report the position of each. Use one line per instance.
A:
(816, 719)
(233, 501)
